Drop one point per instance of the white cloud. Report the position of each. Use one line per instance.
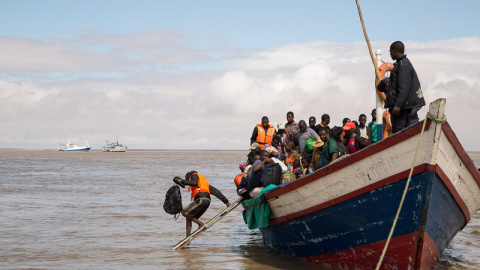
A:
(182, 108)
(27, 55)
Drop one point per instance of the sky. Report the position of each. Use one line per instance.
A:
(201, 74)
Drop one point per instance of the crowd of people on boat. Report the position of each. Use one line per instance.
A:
(300, 148)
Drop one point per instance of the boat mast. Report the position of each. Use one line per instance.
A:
(377, 73)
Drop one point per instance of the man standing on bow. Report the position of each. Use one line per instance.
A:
(404, 94)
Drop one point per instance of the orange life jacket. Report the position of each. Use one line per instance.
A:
(202, 185)
(238, 179)
(265, 137)
(289, 162)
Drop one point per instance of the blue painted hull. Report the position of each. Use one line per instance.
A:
(363, 222)
(79, 149)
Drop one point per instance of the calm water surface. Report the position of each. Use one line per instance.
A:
(95, 210)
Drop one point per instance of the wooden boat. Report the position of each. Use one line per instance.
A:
(341, 215)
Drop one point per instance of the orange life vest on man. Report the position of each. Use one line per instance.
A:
(202, 185)
(265, 137)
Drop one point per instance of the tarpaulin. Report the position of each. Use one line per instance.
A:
(257, 210)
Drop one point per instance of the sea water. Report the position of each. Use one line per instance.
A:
(96, 210)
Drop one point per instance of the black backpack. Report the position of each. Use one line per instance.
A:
(173, 201)
(271, 174)
(342, 149)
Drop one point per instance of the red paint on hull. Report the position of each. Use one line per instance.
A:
(429, 253)
(401, 254)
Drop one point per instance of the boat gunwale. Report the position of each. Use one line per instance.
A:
(404, 135)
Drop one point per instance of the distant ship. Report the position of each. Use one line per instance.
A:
(114, 147)
(74, 147)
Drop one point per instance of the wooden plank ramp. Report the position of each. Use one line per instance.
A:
(207, 225)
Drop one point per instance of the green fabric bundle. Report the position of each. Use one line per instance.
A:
(257, 210)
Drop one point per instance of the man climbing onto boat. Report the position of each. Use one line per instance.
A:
(201, 191)
(404, 94)
(254, 186)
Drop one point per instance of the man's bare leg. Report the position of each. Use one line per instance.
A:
(189, 220)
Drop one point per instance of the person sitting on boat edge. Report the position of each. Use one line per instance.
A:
(330, 149)
(201, 191)
(275, 156)
(254, 149)
(304, 133)
(254, 178)
(263, 132)
(403, 91)
(238, 178)
(242, 187)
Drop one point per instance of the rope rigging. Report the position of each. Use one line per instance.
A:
(433, 118)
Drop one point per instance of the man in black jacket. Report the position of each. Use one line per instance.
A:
(403, 90)
(201, 191)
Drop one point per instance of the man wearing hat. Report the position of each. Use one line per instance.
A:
(201, 190)
(351, 138)
(254, 149)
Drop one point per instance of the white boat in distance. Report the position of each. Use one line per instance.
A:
(114, 147)
(74, 147)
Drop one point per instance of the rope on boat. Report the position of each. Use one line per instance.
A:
(433, 118)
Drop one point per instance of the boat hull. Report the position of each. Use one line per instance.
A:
(114, 149)
(341, 215)
(326, 237)
(76, 149)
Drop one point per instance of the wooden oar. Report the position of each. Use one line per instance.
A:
(208, 224)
